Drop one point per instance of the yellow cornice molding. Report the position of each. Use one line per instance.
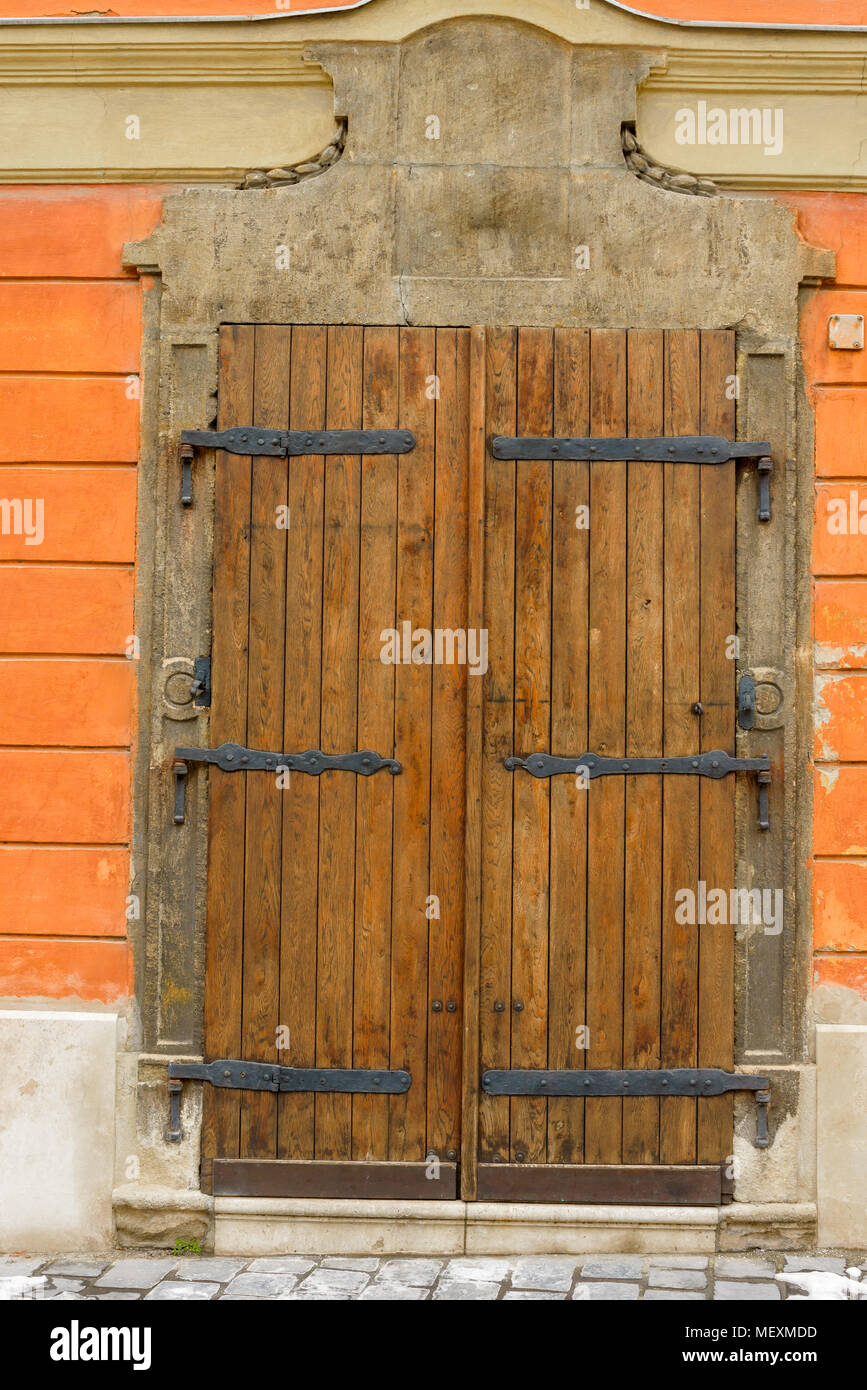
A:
(159, 63)
(817, 71)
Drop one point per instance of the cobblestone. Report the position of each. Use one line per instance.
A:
(748, 1277)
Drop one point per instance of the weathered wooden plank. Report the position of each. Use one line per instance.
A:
(530, 854)
(225, 892)
(410, 925)
(335, 1179)
(301, 730)
(606, 728)
(498, 741)
(448, 745)
(337, 794)
(262, 854)
(681, 735)
(648, 1185)
(474, 735)
(375, 795)
(644, 613)
(569, 636)
(716, 860)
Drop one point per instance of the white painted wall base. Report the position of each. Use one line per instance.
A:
(57, 1100)
(841, 1061)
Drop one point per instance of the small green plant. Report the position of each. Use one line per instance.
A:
(187, 1247)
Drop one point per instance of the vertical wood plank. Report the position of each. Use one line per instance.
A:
(262, 880)
(475, 715)
(606, 726)
(375, 795)
(298, 964)
(448, 744)
(498, 741)
(531, 881)
(644, 598)
(569, 637)
(681, 736)
(716, 941)
(337, 826)
(225, 891)
(410, 926)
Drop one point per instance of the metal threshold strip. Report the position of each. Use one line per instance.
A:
(714, 763)
(679, 1081)
(673, 448)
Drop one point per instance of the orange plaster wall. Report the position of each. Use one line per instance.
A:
(837, 384)
(70, 336)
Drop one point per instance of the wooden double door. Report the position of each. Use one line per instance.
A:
(450, 610)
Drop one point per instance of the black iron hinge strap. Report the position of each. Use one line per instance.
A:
(715, 763)
(240, 1075)
(232, 757)
(675, 448)
(678, 1081)
(255, 441)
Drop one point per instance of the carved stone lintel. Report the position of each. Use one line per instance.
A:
(672, 180)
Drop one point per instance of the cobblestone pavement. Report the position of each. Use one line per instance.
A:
(337, 1277)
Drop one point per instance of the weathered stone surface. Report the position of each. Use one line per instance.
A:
(60, 1285)
(20, 1264)
(730, 1267)
(386, 1293)
(261, 1285)
(833, 1264)
(729, 1290)
(672, 1295)
(613, 1267)
(607, 1289)
(530, 1295)
(157, 1217)
(423, 1272)
(486, 1269)
(335, 1280)
(365, 1262)
(135, 1274)
(553, 1272)
(281, 1264)
(466, 1290)
(75, 1269)
(677, 1279)
(209, 1267)
(182, 1289)
(678, 1261)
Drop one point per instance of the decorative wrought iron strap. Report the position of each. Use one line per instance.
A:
(677, 448)
(250, 439)
(255, 441)
(680, 1081)
(265, 1076)
(713, 764)
(673, 448)
(716, 763)
(231, 757)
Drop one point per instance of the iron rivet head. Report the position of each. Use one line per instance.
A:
(230, 757)
(664, 763)
(308, 439)
(245, 759)
(451, 1153)
(626, 767)
(243, 1076)
(665, 1083)
(698, 707)
(227, 1072)
(437, 1006)
(382, 439)
(260, 441)
(695, 762)
(586, 1083)
(715, 762)
(699, 451)
(451, 1006)
(499, 1006)
(243, 439)
(670, 449)
(519, 1157)
(518, 1005)
(542, 1084)
(692, 1083)
(593, 448)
